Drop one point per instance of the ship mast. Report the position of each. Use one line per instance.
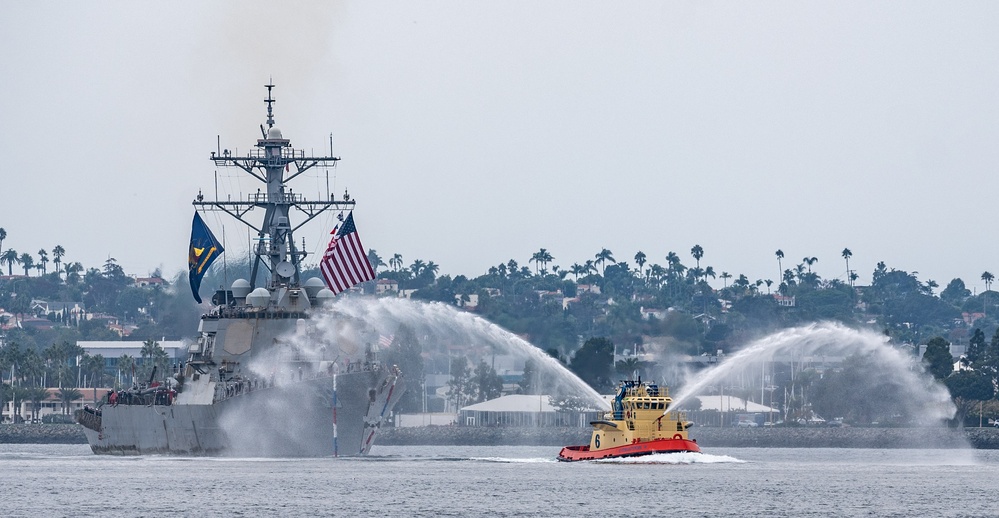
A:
(274, 163)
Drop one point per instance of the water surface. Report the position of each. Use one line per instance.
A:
(67, 480)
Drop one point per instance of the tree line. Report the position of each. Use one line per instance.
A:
(558, 308)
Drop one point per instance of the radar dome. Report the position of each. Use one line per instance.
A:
(240, 288)
(324, 296)
(258, 297)
(313, 285)
(274, 133)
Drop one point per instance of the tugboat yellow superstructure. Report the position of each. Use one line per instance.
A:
(640, 423)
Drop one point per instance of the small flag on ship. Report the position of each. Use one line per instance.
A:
(385, 341)
(204, 250)
(345, 262)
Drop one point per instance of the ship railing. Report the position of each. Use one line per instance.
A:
(262, 198)
(675, 415)
(287, 155)
(231, 388)
(247, 312)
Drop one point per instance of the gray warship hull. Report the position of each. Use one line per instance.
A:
(292, 420)
(264, 377)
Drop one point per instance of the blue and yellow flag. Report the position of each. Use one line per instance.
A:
(204, 249)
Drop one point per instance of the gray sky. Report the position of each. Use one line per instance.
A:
(476, 132)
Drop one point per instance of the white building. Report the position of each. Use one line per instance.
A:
(112, 350)
(523, 410)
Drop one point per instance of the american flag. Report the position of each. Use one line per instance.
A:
(345, 262)
(385, 341)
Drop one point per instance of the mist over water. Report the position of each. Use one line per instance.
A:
(353, 331)
(922, 397)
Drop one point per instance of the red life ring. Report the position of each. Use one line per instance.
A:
(677, 436)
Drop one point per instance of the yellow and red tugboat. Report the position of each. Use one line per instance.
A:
(639, 423)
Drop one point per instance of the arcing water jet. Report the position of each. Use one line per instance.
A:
(919, 394)
(353, 323)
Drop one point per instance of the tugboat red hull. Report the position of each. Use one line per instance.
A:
(574, 453)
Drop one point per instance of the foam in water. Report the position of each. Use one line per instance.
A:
(674, 458)
(924, 397)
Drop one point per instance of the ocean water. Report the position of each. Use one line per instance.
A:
(67, 480)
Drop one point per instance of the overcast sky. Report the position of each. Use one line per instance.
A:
(476, 132)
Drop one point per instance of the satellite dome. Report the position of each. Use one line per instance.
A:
(313, 285)
(258, 297)
(324, 296)
(274, 133)
(240, 288)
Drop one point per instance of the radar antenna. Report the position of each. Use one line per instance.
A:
(274, 163)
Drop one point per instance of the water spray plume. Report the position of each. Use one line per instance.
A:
(438, 325)
(923, 396)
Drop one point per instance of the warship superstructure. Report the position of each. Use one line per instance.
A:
(260, 380)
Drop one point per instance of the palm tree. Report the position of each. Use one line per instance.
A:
(161, 360)
(396, 262)
(780, 255)
(545, 258)
(126, 366)
(577, 269)
(725, 277)
(810, 261)
(698, 253)
(672, 262)
(147, 354)
(847, 254)
(57, 253)
(768, 282)
(709, 271)
(988, 278)
(640, 259)
(5, 392)
(73, 272)
(27, 262)
(602, 257)
(43, 258)
(95, 366)
(678, 270)
(799, 271)
(36, 395)
(537, 258)
(67, 396)
(3, 235)
(656, 273)
(417, 267)
(10, 257)
(375, 260)
(512, 267)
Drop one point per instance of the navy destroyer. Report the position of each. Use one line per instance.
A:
(269, 375)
